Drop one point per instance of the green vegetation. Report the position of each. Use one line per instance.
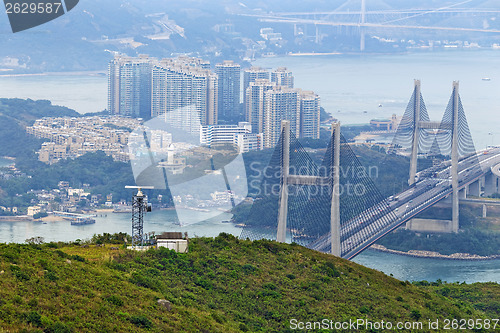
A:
(96, 169)
(15, 115)
(469, 241)
(222, 285)
(351, 131)
(40, 215)
(388, 172)
(483, 296)
(477, 236)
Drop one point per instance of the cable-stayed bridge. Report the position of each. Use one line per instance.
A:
(335, 207)
(449, 18)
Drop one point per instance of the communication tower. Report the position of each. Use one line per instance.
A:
(140, 206)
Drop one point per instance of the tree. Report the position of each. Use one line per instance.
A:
(35, 240)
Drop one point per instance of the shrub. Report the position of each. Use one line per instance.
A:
(114, 300)
(59, 327)
(205, 284)
(61, 253)
(40, 215)
(77, 258)
(51, 276)
(330, 270)
(18, 273)
(141, 321)
(364, 309)
(34, 318)
(248, 269)
(415, 314)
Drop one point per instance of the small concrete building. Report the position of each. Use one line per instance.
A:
(173, 241)
(33, 210)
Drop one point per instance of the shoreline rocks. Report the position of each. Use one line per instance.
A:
(434, 255)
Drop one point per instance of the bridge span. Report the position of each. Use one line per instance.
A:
(315, 207)
(407, 204)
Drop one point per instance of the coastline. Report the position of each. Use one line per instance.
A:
(299, 54)
(76, 73)
(434, 255)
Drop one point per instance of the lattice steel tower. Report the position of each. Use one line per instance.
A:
(140, 206)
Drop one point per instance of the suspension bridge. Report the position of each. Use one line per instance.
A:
(479, 20)
(335, 207)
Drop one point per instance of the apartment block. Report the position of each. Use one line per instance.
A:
(146, 87)
(129, 86)
(280, 103)
(310, 105)
(229, 75)
(282, 77)
(254, 108)
(250, 75)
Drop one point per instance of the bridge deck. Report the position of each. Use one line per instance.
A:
(364, 230)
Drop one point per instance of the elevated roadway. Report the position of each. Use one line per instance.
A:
(362, 231)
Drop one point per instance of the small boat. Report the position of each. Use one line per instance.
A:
(82, 221)
(486, 79)
(380, 105)
(365, 111)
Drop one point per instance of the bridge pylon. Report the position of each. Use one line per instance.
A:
(285, 170)
(308, 180)
(416, 120)
(329, 204)
(362, 28)
(454, 158)
(450, 137)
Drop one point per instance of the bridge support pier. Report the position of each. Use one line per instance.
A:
(490, 184)
(475, 188)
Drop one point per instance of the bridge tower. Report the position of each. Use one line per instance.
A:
(287, 179)
(450, 137)
(362, 26)
(454, 158)
(285, 169)
(415, 139)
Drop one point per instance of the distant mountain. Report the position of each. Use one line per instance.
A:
(87, 37)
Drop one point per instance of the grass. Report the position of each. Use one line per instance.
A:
(222, 285)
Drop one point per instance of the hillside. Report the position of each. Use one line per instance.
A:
(15, 115)
(221, 285)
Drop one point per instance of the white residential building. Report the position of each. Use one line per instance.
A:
(239, 135)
